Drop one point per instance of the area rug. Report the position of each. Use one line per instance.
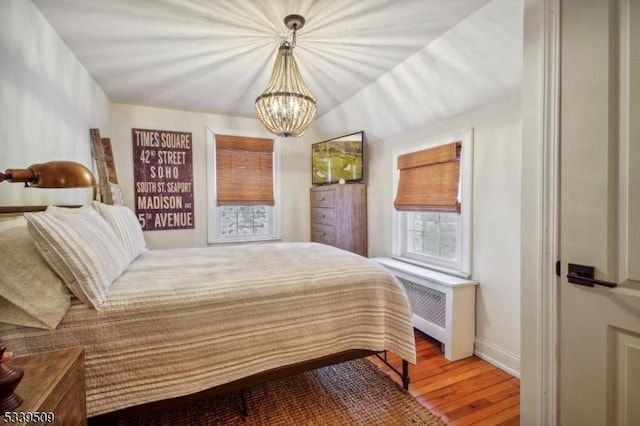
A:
(351, 393)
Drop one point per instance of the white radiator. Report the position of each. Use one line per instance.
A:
(442, 306)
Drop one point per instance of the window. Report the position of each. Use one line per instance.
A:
(432, 234)
(243, 196)
(245, 220)
(433, 204)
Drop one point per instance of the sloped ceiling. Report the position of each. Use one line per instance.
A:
(215, 56)
(475, 63)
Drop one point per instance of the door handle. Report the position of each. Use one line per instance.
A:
(583, 275)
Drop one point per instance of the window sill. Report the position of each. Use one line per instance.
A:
(229, 242)
(436, 273)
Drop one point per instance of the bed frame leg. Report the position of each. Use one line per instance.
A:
(405, 375)
(244, 410)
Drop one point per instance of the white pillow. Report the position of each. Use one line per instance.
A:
(31, 294)
(81, 247)
(126, 226)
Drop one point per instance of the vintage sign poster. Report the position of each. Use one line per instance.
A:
(163, 179)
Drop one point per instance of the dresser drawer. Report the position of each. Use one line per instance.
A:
(322, 198)
(323, 215)
(338, 216)
(325, 234)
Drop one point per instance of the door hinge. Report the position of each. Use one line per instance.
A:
(558, 267)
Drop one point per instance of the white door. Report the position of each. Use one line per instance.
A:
(599, 336)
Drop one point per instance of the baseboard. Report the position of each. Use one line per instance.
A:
(497, 356)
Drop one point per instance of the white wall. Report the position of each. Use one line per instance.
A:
(496, 218)
(474, 73)
(295, 175)
(48, 103)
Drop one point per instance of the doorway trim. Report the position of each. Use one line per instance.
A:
(540, 212)
(552, 267)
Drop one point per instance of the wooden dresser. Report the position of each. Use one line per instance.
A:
(53, 382)
(339, 216)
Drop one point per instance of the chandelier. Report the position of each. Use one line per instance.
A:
(286, 107)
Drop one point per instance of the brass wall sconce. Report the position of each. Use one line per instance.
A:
(54, 174)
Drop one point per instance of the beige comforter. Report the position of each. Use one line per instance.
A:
(180, 321)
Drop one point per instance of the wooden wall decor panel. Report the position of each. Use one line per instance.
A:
(97, 150)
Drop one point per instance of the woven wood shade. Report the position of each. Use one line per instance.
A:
(429, 179)
(244, 171)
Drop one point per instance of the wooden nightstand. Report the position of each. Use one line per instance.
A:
(53, 382)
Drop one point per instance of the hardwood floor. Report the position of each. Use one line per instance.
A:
(465, 392)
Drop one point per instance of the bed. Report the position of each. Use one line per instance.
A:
(193, 321)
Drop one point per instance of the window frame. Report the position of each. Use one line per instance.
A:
(214, 212)
(462, 266)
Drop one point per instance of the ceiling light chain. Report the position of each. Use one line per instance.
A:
(293, 38)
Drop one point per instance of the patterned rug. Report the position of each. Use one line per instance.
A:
(351, 393)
